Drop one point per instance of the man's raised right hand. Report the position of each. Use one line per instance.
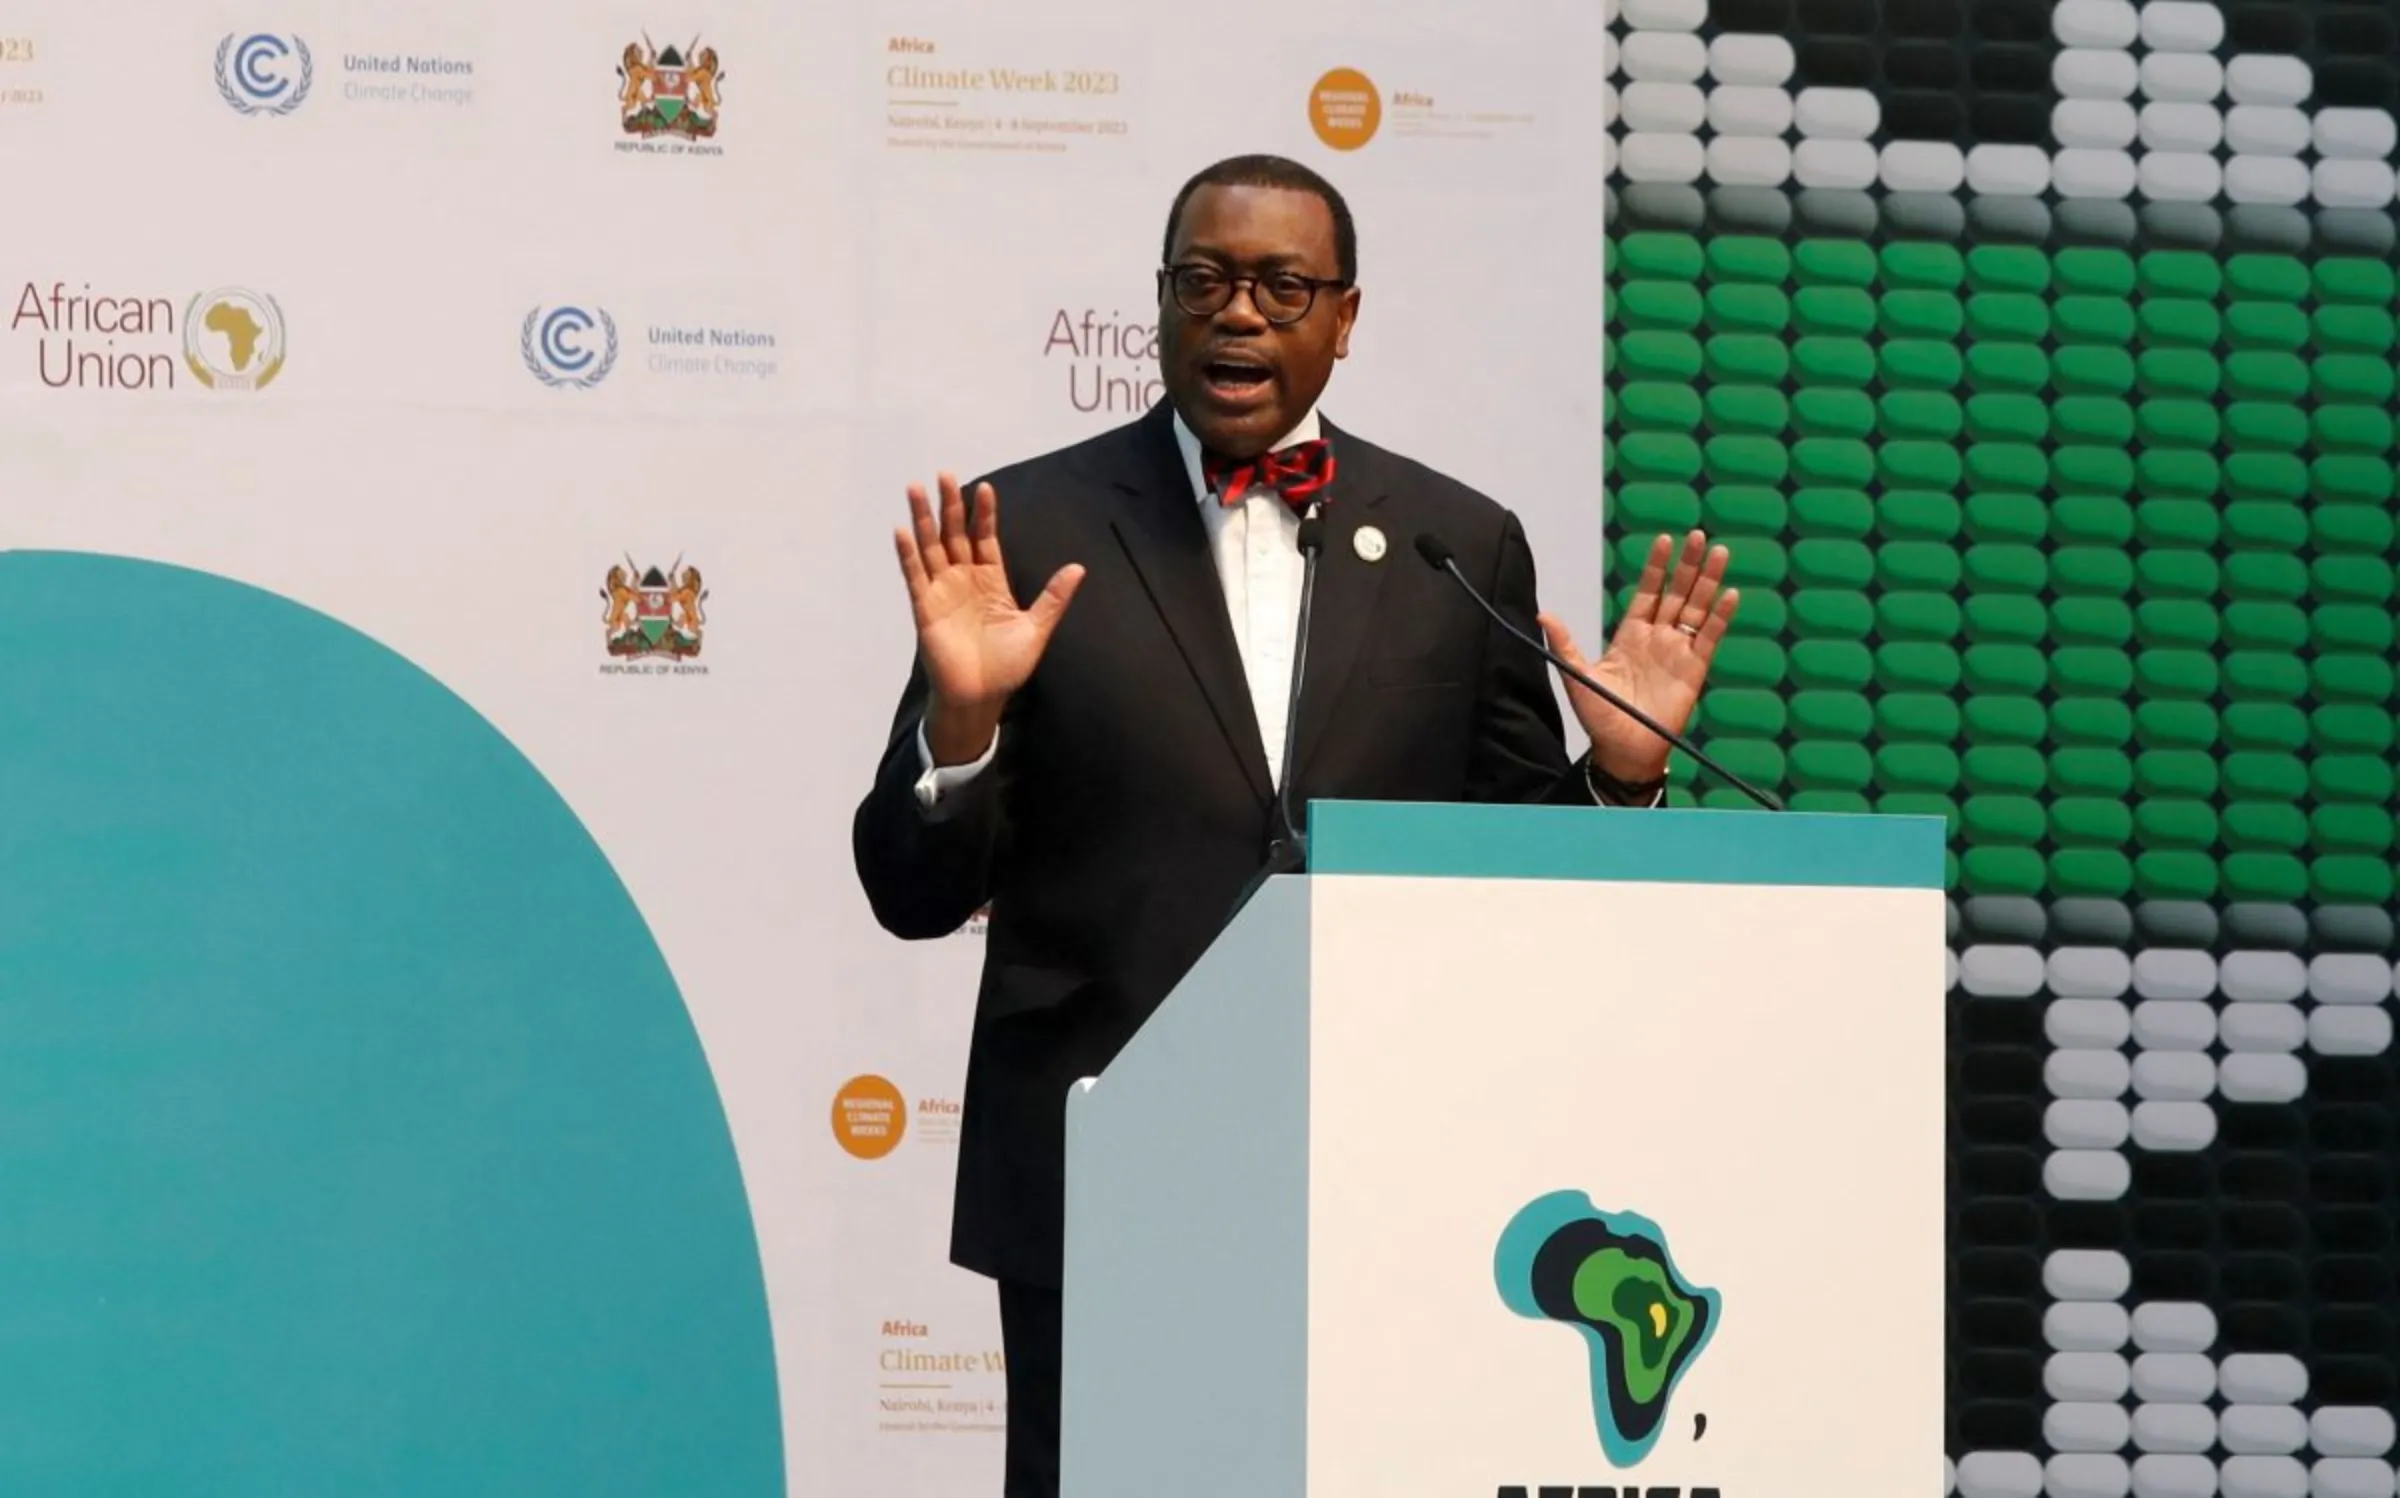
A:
(978, 647)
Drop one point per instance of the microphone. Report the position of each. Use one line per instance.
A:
(1312, 543)
(1288, 853)
(1441, 559)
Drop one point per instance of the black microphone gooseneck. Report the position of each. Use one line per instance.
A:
(1312, 542)
(1442, 559)
(1288, 852)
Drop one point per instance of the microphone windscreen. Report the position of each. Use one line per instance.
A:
(1312, 533)
(1430, 547)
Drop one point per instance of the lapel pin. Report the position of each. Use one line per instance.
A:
(1368, 543)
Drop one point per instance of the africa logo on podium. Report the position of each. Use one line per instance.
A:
(1609, 1276)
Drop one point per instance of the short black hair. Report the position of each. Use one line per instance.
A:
(1273, 171)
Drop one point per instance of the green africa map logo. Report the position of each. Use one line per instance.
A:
(1609, 1276)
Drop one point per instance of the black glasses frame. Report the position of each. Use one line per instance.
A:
(1170, 281)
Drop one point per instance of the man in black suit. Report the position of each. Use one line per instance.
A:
(1104, 777)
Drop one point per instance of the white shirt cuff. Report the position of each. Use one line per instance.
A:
(936, 782)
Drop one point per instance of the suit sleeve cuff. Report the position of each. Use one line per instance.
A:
(937, 783)
(1607, 790)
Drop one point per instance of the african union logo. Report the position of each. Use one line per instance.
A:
(233, 339)
(671, 92)
(556, 344)
(1608, 1275)
(264, 73)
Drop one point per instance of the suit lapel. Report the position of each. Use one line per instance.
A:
(1348, 585)
(1163, 537)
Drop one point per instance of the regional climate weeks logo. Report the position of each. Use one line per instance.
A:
(1609, 1276)
(264, 73)
(558, 346)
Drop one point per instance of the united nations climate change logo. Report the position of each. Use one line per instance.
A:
(233, 339)
(556, 344)
(1609, 1276)
(264, 73)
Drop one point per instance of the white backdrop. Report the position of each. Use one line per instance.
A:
(888, 265)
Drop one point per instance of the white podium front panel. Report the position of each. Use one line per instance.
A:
(1681, 1228)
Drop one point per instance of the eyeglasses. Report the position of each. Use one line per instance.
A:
(1282, 297)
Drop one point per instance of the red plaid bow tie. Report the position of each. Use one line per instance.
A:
(1300, 473)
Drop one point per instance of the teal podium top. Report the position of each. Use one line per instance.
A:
(1663, 846)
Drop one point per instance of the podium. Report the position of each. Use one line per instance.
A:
(1526, 1151)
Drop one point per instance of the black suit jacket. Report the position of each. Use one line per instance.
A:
(1130, 799)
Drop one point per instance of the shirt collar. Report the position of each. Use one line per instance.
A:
(1308, 430)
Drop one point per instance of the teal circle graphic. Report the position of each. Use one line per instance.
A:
(354, 1137)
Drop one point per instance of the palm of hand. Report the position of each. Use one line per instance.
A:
(1658, 659)
(1654, 667)
(977, 644)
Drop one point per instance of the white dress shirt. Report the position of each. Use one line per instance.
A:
(1257, 549)
(1257, 545)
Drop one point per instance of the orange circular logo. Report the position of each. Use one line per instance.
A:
(869, 1116)
(1344, 109)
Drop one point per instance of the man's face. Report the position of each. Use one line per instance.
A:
(1240, 380)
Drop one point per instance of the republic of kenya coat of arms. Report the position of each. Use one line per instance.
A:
(673, 92)
(654, 613)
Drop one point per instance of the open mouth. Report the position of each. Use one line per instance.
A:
(1236, 377)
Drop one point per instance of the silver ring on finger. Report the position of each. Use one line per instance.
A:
(1688, 629)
